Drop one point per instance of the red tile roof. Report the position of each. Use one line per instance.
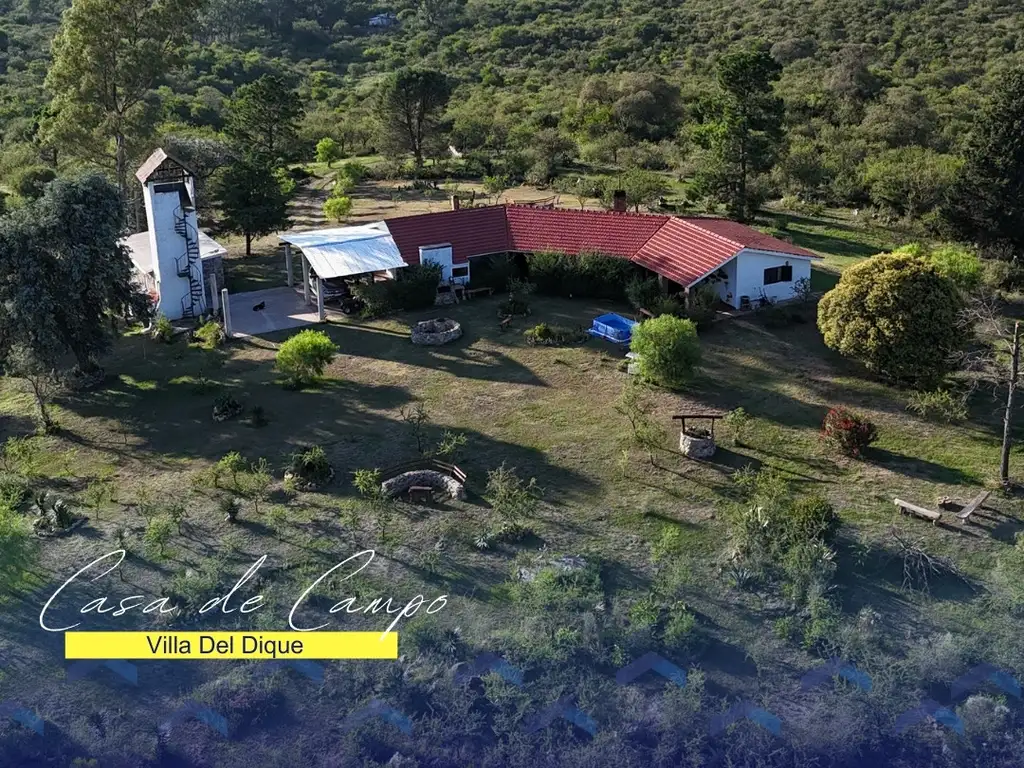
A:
(681, 249)
(747, 237)
(469, 231)
(573, 232)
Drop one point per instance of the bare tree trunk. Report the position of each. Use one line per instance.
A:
(1004, 462)
(122, 167)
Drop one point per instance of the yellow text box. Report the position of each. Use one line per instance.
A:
(230, 645)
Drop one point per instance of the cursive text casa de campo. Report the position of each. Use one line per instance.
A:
(233, 602)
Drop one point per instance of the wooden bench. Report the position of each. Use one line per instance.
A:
(907, 508)
(965, 514)
(421, 493)
(471, 292)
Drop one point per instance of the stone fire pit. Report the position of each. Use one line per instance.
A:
(436, 332)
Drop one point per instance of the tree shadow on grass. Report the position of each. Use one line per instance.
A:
(920, 469)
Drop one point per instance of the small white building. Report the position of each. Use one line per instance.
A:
(177, 264)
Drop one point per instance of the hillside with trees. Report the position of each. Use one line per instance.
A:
(863, 104)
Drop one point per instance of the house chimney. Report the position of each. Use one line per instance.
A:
(619, 200)
(455, 202)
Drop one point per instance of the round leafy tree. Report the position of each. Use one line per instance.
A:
(303, 357)
(898, 315)
(668, 350)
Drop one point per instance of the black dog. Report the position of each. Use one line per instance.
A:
(260, 307)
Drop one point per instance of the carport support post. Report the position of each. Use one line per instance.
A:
(321, 313)
(226, 306)
(288, 264)
(305, 280)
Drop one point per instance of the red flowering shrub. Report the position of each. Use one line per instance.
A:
(847, 433)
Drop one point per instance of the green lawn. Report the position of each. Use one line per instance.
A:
(550, 413)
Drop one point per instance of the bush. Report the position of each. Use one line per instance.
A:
(311, 466)
(303, 357)
(518, 298)
(738, 422)
(847, 433)
(510, 496)
(354, 170)
(210, 334)
(812, 518)
(554, 335)
(938, 405)
(642, 292)
(588, 275)
(668, 350)
(226, 407)
(327, 151)
(30, 183)
(162, 330)
(415, 288)
(959, 264)
(337, 207)
(703, 300)
(897, 315)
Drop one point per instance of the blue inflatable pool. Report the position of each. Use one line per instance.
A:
(614, 328)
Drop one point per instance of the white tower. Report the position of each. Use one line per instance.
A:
(173, 236)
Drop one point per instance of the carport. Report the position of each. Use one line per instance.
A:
(340, 252)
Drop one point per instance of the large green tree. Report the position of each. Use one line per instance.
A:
(107, 58)
(252, 198)
(263, 119)
(65, 275)
(409, 109)
(898, 315)
(742, 133)
(985, 204)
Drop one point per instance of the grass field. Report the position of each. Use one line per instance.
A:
(550, 413)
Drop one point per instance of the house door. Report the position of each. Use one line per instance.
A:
(439, 254)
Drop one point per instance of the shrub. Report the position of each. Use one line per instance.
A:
(938, 405)
(162, 330)
(668, 350)
(311, 466)
(590, 275)
(643, 292)
(354, 170)
(666, 305)
(303, 357)
(231, 463)
(415, 288)
(812, 518)
(738, 422)
(703, 300)
(847, 433)
(681, 629)
(158, 532)
(554, 335)
(510, 496)
(518, 298)
(897, 315)
(327, 151)
(229, 506)
(210, 334)
(337, 207)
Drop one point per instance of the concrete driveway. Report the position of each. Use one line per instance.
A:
(282, 308)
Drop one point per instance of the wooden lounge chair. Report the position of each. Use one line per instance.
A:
(505, 321)
(965, 514)
(907, 508)
(471, 292)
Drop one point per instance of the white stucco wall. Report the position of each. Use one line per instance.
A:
(749, 275)
(166, 246)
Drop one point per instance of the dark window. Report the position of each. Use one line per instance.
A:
(460, 271)
(778, 275)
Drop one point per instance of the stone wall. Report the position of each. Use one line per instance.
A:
(396, 486)
(696, 447)
(436, 332)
